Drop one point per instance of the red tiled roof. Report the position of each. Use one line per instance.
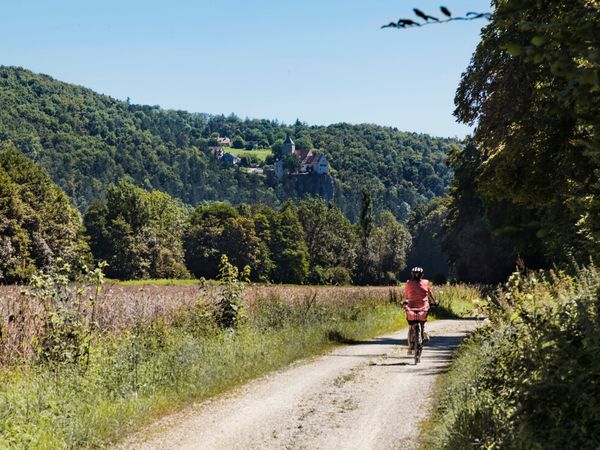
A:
(308, 157)
(302, 154)
(312, 158)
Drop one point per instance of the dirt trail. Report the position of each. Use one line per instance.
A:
(364, 396)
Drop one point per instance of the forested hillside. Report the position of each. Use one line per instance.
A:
(136, 234)
(86, 141)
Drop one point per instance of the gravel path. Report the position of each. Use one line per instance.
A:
(363, 396)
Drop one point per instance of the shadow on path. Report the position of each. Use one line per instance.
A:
(390, 364)
(438, 351)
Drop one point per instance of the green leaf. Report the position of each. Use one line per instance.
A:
(525, 26)
(538, 41)
(513, 48)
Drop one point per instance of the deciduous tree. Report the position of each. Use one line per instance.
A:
(138, 233)
(288, 249)
(533, 89)
(39, 227)
(330, 237)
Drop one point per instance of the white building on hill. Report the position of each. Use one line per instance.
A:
(310, 162)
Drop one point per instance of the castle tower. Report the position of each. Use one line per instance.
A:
(288, 147)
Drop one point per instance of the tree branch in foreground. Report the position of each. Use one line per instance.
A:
(430, 20)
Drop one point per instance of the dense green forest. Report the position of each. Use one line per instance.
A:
(87, 141)
(143, 234)
(150, 235)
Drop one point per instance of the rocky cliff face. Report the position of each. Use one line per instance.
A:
(314, 184)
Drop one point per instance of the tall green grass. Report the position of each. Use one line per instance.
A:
(154, 369)
(529, 379)
(142, 371)
(458, 301)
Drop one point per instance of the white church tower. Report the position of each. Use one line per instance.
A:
(288, 147)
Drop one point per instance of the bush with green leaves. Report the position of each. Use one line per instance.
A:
(337, 276)
(530, 378)
(228, 310)
(67, 313)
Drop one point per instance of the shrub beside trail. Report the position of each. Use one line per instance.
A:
(530, 378)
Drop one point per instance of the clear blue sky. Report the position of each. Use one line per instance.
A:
(322, 61)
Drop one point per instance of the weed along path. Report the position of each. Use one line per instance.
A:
(363, 396)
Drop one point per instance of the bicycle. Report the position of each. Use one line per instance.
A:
(416, 319)
(416, 331)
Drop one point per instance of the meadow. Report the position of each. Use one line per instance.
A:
(126, 305)
(260, 153)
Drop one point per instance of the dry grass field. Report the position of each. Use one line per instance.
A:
(123, 307)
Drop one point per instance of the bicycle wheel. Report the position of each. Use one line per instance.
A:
(417, 342)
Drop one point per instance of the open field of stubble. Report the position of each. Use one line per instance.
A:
(122, 307)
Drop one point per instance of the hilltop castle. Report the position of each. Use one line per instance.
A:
(310, 163)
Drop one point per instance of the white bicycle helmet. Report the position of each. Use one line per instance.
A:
(417, 272)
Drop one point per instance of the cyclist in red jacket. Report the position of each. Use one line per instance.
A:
(417, 300)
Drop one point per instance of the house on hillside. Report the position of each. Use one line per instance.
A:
(310, 163)
(225, 141)
(230, 159)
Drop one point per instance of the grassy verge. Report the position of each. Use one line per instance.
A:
(458, 301)
(529, 379)
(154, 369)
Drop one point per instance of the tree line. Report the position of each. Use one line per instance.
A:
(527, 185)
(149, 234)
(143, 234)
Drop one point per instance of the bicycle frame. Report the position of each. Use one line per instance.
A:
(417, 340)
(418, 316)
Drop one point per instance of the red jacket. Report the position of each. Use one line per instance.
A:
(417, 294)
